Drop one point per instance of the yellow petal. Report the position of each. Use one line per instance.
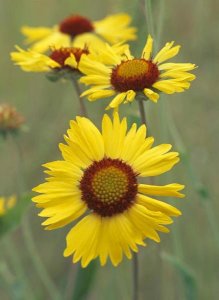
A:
(100, 94)
(147, 51)
(95, 79)
(156, 205)
(118, 99)
(130, 96)
(113, 131)
(151, 95)
(177, 66)
(171, 190)
(166, 53)
(184, 76)
(88, 138)
(35, 33)
(32, 61)
(114, 28)
(71, 61)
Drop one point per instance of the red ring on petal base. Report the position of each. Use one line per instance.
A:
(109, 186)
(135, 74)
(75, 25)
(60, 55)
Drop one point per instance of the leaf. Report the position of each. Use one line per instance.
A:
(186, 274)
(13, 217)
(84, 280)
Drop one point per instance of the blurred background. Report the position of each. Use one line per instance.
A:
(185, 265)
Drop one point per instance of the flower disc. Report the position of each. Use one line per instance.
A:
(75, 25)
(109, 186)
(135, 74)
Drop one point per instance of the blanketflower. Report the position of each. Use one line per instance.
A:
(124, 77)
(97, 184)
(32, 61)
(6, 203)
(79, 31)
(10, 119)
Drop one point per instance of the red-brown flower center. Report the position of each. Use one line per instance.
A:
(109, 186)
(60, 55)
(135, 74)
(75, 25)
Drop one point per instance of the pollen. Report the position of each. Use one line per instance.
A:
(60, 55)
(109, 186)
(135, 74)
(75, 25)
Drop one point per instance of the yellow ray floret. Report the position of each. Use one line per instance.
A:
(125, 77)
(113, 29)
(97, 186)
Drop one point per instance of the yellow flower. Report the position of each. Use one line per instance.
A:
(124, 76)
(6, 204)
(97, 183)
(79, 31)
(33, 61)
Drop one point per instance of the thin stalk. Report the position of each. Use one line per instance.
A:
(37, 262)
(160, 21)
(83, 110)
(142, 111)
(28, 236)
(135, 277)
(149, 17)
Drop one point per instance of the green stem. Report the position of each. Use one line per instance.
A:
(160, 21)
(37, 262)
(83, 110)
(142, 111)
(149, 17)
(135, 277)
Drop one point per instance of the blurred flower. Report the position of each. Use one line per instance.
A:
(77, 30)
(6, 204)
(10, 119)
(98, 179)
(32, 61)
(124, 76)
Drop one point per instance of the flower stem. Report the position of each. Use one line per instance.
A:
(37, 262)
(149, 17)
(83, 110)
(135, 277)
(142, 110)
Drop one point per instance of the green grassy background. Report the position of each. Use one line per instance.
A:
(185, 265)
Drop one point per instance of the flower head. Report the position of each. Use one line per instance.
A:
(6, 204)
(10, 119)
(77, 31)
(98, 182)
(32, 61)
(124, 76)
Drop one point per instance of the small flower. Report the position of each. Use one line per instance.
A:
(77, 31)
(6, 204)
(125, 76)
(97, 184)
(10, 119)
(32, 61)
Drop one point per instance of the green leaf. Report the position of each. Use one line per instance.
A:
(84, 280)
(186, 274)
(13, 217)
